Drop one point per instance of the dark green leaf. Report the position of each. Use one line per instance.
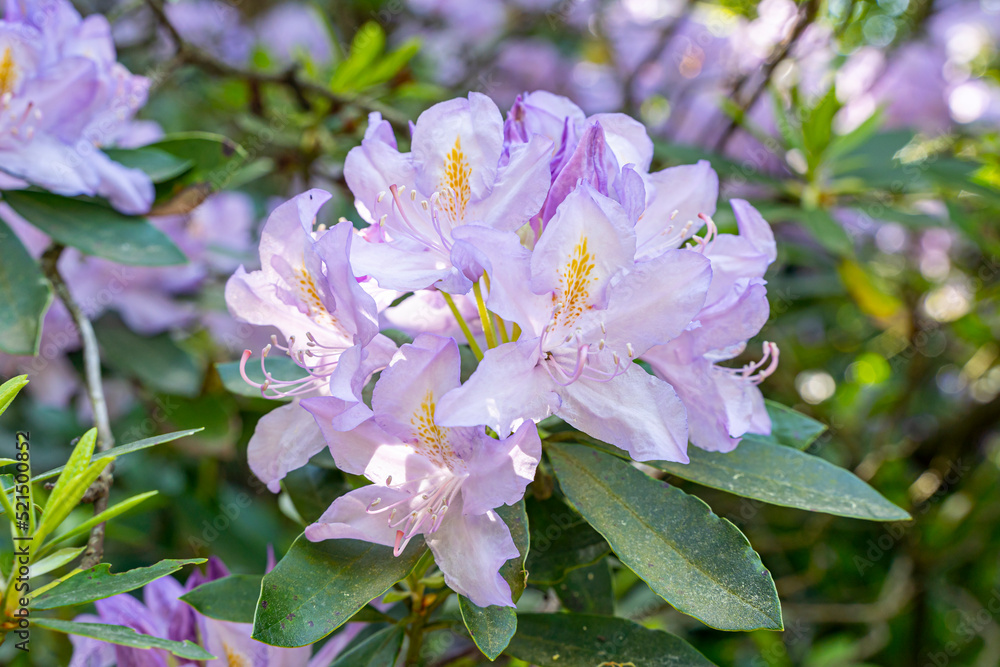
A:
(158, 165)
(95, 229)
(784, 476)
(98, 583)
(379, 650)
(215, 161)
(313, 489)
(491, 628)
(156, 361)
(561, 540)
(588, 590)
(25, 295)
(117, 634)
(232, 598)
(514, 570)
(699, 563)
(828, 232)
(789, 428)
(318, 586)
(574, 640)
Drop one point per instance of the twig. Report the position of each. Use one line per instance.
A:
(290, 78)
(95, 392)
(775, 59)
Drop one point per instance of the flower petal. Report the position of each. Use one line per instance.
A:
(500, 470)
(470, 549)
(507, 388)
(348, 517)
(284, 440)
(635, 411)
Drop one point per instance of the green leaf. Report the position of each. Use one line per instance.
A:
(390, 65)
(491, 628)
(588, 590)
(158, 165)
(215, 159)
(95, 229)
(789, 427)
(318, 586)
(561, 540)
(156, 361)
(98, 583)
(55, 513)
(828, 232)
(122, 450)
(366, 47)
(25, 295)
(784, 476)
(513, 571)
(118, 634)
(279, 366)
(313, 489)
(231, 598)
(8, 392)
(696, 561)
(105, 516)
(76, 465)
(381, 649)
(575, 640)
(54, 561)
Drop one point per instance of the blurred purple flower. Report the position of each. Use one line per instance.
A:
(62, 96)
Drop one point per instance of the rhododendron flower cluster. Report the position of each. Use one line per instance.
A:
(585, 286)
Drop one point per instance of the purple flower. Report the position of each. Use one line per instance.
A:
(162, 614)
(724, 403)
(293, 31)
(62, 94)
(456, 174)
(306, 289)
(429, 479)
(586, 309)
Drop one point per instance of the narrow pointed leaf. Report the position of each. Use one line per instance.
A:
(318, 586)
(78, 462)
(789, 427)
(71, 495)
(588, 590)
(8, 391)
(784, 476)
(118, 634)
(107, 515)
(696, 561)
(158, 165)
(122, 450)
(98, 583)
(576, 640)
(54, 562)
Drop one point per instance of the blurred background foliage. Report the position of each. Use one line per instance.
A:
(867, 134)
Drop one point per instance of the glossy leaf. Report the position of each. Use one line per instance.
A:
(98, 583)
(491, 628)
(789, 427)
(231, 598)
(784, 476)
(698, 562)
(318, 586)
(576, 640)
(117, 634)
(25, 295)
(107, 515)
(588, 590)
(95, 229)
(514, 570)
(378, 650)
(54, 561)
(561, 540)
(215, 159)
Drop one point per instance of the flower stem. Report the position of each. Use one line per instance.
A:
(484, 317)
(464, 326)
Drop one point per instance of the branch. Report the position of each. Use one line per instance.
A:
(95, 392)
(775, 59)
(290, 78)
